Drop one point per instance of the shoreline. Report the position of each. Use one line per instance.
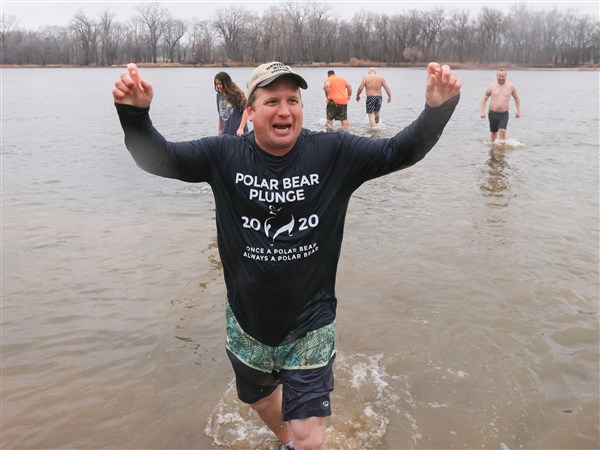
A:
(352, 63)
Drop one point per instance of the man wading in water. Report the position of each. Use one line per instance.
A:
(281, 195)
(373, 84)
(500, 93)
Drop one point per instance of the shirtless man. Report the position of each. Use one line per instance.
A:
(500, 93)
(373, 84)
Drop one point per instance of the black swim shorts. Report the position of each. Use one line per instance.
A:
(374, 103)
(303, 367)
(305, 391)
(498, 120)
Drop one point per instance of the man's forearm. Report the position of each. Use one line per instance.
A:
(422, 134)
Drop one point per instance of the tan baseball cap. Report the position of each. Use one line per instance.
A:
(266, 73)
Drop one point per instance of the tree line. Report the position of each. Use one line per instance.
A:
(307, 32)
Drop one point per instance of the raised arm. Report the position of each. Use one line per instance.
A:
(187, 161)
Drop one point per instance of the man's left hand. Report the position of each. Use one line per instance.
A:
(442, 84)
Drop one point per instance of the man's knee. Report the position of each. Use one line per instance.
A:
(309, 433)
(260, 405)
(267, 402)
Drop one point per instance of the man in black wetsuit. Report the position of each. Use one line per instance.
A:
(281, 194)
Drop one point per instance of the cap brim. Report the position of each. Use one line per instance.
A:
(297, 78)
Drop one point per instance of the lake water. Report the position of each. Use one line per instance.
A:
(468, 284)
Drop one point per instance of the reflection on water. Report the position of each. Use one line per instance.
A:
(497, 190)
(497, 183)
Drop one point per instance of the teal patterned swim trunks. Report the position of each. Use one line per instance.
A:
(309, 352)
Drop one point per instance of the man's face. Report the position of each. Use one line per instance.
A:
(501, 76)
(277, 116)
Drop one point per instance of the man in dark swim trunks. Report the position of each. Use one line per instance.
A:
(500, 93)
(373, 83)
(281, 196)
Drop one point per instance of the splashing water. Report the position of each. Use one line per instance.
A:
(362, 403)
(508, 143)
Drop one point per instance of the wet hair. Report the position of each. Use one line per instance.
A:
(231, 91)
(330, 72)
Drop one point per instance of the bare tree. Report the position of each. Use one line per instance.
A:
(231, 26)
(305, 31)
(138, 39)
(550, 30)
(317, 25)
(256, 32)
(364, 34)
(399, 37)
(7, 25)
(108, 37)
(296, 14)
(490, 26)
(155, 18)
(414, 26)
(384, 28)
(594, 50)
(175, 29)
(202, 42)
(583, 39)
(522, 34)
(87, 34)
(273, 39)
(332, 35)
(49, 45)
(460, 36)
(433, 24)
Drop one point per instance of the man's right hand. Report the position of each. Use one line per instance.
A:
(132, 89)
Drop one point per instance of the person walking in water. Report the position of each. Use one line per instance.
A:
(373, 83)
(231, 106)
(337, 92)
(281, 197)
(499, 94)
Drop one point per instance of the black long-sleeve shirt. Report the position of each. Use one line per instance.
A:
(280, 220)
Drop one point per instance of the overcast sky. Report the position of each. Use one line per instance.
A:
(32, 15)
